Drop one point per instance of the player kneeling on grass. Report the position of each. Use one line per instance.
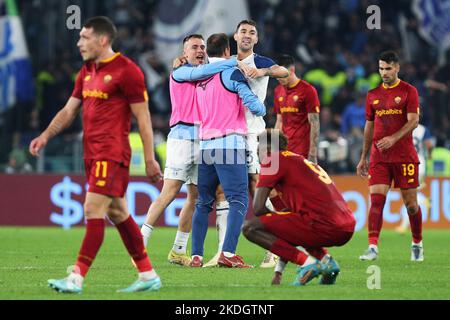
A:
(319, 216)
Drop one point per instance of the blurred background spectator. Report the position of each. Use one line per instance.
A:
(334, 50)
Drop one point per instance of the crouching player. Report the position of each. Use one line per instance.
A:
(318, 216)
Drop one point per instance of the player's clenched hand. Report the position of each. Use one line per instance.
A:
(386, 143)
(249, 72)
(179, 61)
(36, 145)
(153, 170)
(362, 168)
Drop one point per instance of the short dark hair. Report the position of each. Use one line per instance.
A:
(389, 56)
(192, 36)
(102, 26)
(285, 60)
(216, 44)
(282, 139)
(246, 21)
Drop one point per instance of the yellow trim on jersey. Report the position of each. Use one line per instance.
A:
(393, 86)
(296, 83)
(111, 59)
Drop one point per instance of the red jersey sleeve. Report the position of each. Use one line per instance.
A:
(133, 85)
(370, 115)
(78, 88)
(412, 105)
(276, 99)
(312, 103)
(271, 173)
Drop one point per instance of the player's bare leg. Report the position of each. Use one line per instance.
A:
(415, 217)
(178, 254)
(95, 207)
(378, 194)
(168, 193)
(270, 260)
(309, 267)
(222, 210)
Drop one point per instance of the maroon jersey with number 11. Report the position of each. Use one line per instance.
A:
(107, 90)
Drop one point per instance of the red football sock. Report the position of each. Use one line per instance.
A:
(93, 239)
(278, 203)
(288, 252)
(376, 217)
(317, 253)
(415, 221)
(132, 239)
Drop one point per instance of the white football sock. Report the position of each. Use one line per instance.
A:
(180, 243)
(281, 265)
(146, 231)
(269, 205)
(228, 254)
(309, 260)
(147, 275)
(76, 278)
(222, 210)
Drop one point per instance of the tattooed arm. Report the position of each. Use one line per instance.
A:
(314, 122)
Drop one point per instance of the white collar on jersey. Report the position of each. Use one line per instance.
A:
(214, 59)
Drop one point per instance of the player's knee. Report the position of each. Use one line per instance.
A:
(192, 197)
(412, 209)
(116, 215)
(92, 211)
(249, 228)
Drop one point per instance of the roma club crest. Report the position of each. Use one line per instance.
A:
(397, 100)
(107, 78)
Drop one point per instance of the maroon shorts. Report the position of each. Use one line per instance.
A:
(300, 230)
(106, 177)
(405, 175)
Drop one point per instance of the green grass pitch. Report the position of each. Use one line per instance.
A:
(30, 256)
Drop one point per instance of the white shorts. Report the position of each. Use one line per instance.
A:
(182, 158)
(252, 153)
(422, 170)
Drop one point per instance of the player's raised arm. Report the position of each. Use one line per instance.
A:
(259, 202)
(204, 71)
(274, 71)
(238, 83)
(142, 114)
(61, 121)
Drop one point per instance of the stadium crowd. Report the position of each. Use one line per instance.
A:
(334, 50)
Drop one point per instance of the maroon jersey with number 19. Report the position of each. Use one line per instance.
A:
(107, 90)
(306, 189)
(388, 108)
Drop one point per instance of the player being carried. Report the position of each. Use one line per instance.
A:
(318, 215)
(392, 113)
(109, 88)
